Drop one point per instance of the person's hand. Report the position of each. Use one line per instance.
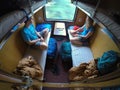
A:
(38, 40)
(80, 30)
(80, 35)
(75, 35)
(41, 39)
(47, 29)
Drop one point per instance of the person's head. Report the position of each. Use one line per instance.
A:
(89, 21)
(28, 21)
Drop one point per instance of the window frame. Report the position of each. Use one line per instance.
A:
(65, 20)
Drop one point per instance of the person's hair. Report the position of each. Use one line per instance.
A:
(27, 19)
(90, 20)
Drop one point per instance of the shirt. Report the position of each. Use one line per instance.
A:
(29, 33)
(85, 30)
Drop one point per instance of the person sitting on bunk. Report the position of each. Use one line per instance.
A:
(82, 34)
(32, 37)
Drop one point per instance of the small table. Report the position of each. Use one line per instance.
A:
(59, 29)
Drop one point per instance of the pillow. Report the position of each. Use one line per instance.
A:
(75, 27)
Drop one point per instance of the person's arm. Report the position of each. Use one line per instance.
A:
(87, 35)
(91, 30)
(38, 34)
(80, 29)
(28, 40)
(41, 38)
(33, 41)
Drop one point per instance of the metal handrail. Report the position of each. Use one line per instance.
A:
(114, 81)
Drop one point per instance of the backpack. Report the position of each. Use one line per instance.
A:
(40, 27)
(52, 49)
(66, 56)
(66, 50)
(107, 63)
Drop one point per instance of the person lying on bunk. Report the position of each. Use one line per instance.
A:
(82, 34)
(32, 37)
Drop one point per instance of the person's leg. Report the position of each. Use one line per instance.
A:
(76, 41)
(85, 43)
(73, 33)
(44, 33)
(41, 45)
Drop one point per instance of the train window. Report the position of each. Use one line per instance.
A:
(60, 10)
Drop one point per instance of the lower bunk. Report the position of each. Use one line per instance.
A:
(92, 61)
(24, 59)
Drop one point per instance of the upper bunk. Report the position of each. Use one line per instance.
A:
(16, 16)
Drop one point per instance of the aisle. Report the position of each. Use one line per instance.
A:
(61, 76)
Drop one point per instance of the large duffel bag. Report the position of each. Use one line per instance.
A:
(65, 52)
(40, 27)
(52, 49)
(107, 62)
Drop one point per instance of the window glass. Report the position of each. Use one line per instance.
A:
(60, 10)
